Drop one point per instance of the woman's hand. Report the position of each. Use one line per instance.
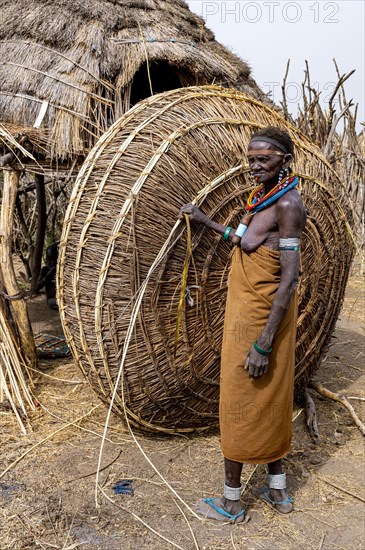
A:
(195, 215)
(256, 363)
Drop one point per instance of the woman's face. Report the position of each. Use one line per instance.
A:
(266, 161)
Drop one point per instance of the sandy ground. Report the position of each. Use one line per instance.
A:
(47, 498)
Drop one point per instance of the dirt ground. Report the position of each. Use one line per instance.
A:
(47, 496)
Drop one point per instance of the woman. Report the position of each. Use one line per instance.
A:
(258, 351)
(47, 277)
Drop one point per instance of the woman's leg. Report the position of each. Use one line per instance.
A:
(279, 495)
(233, 507)
(233, 472)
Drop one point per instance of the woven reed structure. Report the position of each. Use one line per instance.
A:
(69, 69)
(123, 251)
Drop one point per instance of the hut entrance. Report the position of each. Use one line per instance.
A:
(164, 77)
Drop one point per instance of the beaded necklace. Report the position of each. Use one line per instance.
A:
(257, 201)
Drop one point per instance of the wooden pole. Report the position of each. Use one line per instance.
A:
(41, 230)
(18, 306)
(340, 399)
(311, 417)
(5, 307)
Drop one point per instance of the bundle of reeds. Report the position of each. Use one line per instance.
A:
(123, 253)
(14, 378)
(343, 147)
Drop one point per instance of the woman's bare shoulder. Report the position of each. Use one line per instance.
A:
(290, 209)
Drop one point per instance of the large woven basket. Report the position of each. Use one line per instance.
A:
(123, 251)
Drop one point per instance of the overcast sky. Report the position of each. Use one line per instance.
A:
(267, 33)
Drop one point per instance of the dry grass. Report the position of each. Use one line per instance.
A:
(47, 497)
(14, 378)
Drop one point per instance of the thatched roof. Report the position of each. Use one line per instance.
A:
(69, 65)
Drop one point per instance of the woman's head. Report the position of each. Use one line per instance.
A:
(52, 255)
(269, 151)
(276, 137)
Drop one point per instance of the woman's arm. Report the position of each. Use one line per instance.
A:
(290, 223)
(196, 215)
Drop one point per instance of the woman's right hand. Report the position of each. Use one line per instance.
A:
(195, 215)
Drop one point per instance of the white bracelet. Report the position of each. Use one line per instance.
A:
(277, 481)
(241, 230)
(232, 493)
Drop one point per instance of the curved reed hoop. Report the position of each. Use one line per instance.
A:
(123, 251)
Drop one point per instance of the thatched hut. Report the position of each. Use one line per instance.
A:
(71, 68)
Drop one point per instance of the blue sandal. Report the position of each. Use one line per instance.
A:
(263, 494)
(210, 501)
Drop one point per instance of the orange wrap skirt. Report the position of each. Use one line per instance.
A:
(256, 414)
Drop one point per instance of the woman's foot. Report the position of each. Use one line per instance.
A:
(214, 508)
(281, 495)
(277, 499)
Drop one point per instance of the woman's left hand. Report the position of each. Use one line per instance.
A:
(256, 363)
